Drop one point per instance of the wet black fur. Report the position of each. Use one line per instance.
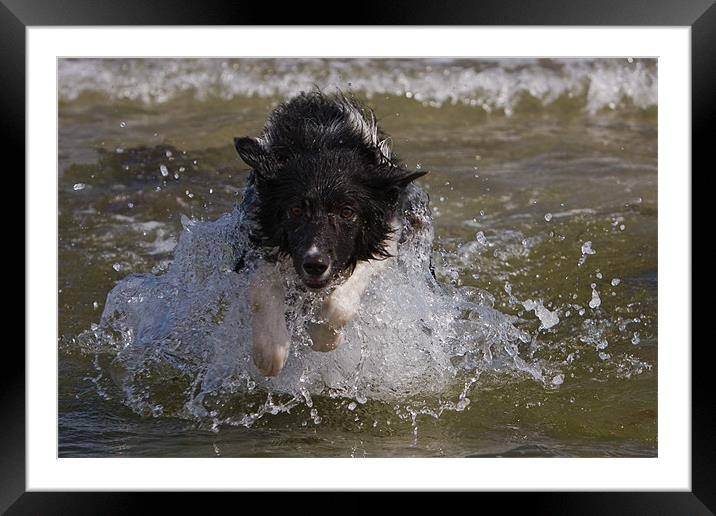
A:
(312, 155)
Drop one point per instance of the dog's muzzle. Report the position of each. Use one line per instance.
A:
(316, 268)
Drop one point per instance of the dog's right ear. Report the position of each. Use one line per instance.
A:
(253, 154)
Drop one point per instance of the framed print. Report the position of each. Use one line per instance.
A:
(422, 257)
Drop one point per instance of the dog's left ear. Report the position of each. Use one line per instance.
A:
(408, 178)
(399, 183)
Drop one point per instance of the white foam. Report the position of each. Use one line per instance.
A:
(495, 85)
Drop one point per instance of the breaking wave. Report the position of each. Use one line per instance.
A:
(497, 85)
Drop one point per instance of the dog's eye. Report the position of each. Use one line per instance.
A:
(295, 211)
(347, 213)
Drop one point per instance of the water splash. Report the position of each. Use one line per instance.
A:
(179, 343)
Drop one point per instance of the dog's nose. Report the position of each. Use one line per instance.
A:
(314, 264)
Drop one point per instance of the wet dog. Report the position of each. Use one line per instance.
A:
(327, 192)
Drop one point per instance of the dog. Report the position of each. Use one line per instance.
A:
(326, 192)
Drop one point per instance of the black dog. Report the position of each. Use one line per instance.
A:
(327, 192)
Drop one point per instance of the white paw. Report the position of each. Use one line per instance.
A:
(270, 353)
(340, 307)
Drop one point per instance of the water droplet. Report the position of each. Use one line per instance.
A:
(79, 186)
(116, 267)
(547, 318)
(186, 222)
(163, 169)
(352, 405)
(123, 124)
(616, 282)
(480, 237)
(599, 275)
(548, 217)
(587, 248)
(595, 301)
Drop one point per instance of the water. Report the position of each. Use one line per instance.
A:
(538, 339)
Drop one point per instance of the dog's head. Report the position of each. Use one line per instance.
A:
(326, 192)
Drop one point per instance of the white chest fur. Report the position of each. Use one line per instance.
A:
(271, 341)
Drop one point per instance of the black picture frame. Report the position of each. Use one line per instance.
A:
(17, 15)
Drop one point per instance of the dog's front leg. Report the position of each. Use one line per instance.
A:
(339, 308)
(342, 304)
(271, 341)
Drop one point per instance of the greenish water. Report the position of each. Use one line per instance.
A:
(534, 164)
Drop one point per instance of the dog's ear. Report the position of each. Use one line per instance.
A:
(399, 182)
(385, 150)
(254, 155)
(407, 178)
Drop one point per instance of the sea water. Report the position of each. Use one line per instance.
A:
(538, 335)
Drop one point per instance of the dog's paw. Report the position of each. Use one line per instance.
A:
(340, 307)
(270, 356)
(324, 337)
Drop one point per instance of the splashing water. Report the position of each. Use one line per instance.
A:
(180, 342)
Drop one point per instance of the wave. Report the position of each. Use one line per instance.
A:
(499, 85)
